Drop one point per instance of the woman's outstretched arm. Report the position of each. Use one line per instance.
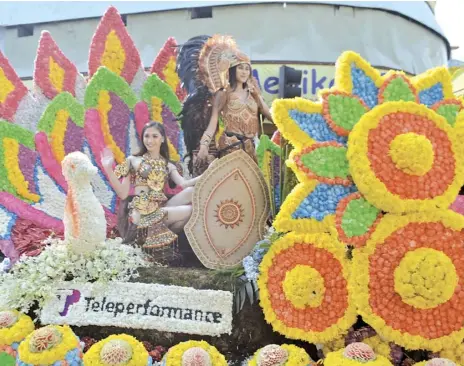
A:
(121, 188)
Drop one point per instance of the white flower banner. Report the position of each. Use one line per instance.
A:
(141, 306)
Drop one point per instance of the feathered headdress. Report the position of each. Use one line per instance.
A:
(203, 64)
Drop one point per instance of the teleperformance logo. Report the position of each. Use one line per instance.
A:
(176, 308)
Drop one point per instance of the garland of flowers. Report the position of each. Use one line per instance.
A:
(397, 176)
(284, 285)
(34, 278)
(174, 357)
(121, 349)
(390, 273)
(290, 355)
(49, 344)
(14, 327)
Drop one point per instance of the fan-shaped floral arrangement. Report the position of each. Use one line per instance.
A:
(66, 112)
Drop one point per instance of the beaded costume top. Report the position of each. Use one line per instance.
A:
(241, 117)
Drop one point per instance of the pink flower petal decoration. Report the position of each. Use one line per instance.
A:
(53, 72)
(12, 90)
(113, 47)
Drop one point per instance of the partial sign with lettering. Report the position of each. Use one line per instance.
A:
(141, 306)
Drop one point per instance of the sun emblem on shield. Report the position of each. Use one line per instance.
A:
(229, 213)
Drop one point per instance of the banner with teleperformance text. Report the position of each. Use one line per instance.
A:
(141, 306)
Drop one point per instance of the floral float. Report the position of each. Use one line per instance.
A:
(193, 353)
(283, 355)
(355, 354)
(50, 346)
(120, 350)
(14, 327)
(379, 164)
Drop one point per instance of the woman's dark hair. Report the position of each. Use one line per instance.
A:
(233, 78)
(164, 149)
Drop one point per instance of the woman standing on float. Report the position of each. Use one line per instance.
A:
(220, 85)
(155, 217)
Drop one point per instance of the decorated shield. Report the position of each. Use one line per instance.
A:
(230, 209)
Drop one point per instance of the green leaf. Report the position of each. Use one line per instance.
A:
(155, 87)
(104, 79)
(398, 89)
(6, 359)
(449, 111)
(327, 161)
(358, 217)
(345, 111)
(62, 101)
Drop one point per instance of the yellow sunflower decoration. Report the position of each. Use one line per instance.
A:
(283, 355)
(119, 349)
(48, 345)
(356, 354)
(193, 353)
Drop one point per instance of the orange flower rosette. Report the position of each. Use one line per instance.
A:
(408, 280)
(304, 288)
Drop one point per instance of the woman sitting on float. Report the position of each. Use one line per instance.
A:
(148, 217)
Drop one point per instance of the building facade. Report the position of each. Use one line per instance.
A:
(398, 35)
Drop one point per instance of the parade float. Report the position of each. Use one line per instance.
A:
(363, 263)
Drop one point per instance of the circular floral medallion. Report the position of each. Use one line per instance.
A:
(304, 288)
(7, 319)
(175, 355)
(14, 327)
(196, 356)
(118, 349)
(407, 279)
(229, 213)
(277, 355)
(116, 352)
(359, 351)
(50, 344)
(404, 157)
(44, 338)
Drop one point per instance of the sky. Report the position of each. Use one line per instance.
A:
(450, 16)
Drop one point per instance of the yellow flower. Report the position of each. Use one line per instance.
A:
(57, 352)
(338, 359)
(296, 356)
(18, 331)
(174, 355)
(139, 353)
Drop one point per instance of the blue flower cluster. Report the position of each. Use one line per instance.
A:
(322, 201)
(315, 126)
(72, 358)
(251, 263)
(431, 95)
(364, 87)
